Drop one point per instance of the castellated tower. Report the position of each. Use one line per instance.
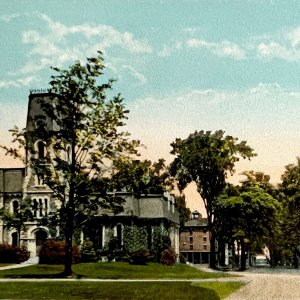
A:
(40, 195)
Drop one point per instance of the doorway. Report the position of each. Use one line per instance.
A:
(40, 237)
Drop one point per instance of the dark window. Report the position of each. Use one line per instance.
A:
(14, 238)
(15, 207)
(191, 247)
(204, 239)
(191, 239)
(46, 206)
(204, 247)
(41, 149)
(41, 207)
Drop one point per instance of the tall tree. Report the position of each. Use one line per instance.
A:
(206, 158)
(84, 139)
(248, 217)
(140, 177)
(290, 188)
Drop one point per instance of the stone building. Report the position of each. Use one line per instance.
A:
(194, 239)
(17, 184)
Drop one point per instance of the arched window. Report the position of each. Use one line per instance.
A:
(14, 239)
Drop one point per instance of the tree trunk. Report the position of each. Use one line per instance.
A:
(212, 258)
(69, 234)
(243, 256)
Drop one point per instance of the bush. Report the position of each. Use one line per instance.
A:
(87, 252)
(13, 254)
(139, 257)
(182, 259)
(168, 257)
(53, 253)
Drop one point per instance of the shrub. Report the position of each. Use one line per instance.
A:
(53, 252)
(13, 254)
(139, 257)
(168, 257)
(87, 252)
(182, 259)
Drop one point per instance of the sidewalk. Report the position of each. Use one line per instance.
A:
(31, 261)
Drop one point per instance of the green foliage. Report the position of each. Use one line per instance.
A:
(18, 218)
(139, 256)
(290, 189)
(87, 252)
(53, 252)
(168, 257)
(140, 177)
(160, 242)
(184, 212)
(81, 128)
(250, 217)
(134, 238)
(207, 158)
(12, 254)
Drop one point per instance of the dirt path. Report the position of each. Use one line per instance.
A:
(269, 286)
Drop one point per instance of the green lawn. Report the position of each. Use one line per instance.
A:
(4, 265)
(115, 290)
(116, 270)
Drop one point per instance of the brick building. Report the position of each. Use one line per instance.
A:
(194, 239)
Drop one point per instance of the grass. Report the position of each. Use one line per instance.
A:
(116, 270)
(115, 290)
(223, 289)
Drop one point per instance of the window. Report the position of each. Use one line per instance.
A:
(204, 239)
(191, 247)
(15, 206)
(41, 207)
(34, 205)
(191, 239)
(40, 179)
(41, 149)
(204, 247)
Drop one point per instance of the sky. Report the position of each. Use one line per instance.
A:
(180, 65)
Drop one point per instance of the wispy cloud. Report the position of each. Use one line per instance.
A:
(53, 45)
(283, 45)
(21, 82)
(222, 49)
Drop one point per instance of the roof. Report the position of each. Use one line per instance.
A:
(196, 223)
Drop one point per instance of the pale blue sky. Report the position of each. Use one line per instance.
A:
(181, 66)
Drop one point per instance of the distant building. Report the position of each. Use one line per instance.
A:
(194, 239)
(16, 184)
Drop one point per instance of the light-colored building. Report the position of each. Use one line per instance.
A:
(16, 184)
